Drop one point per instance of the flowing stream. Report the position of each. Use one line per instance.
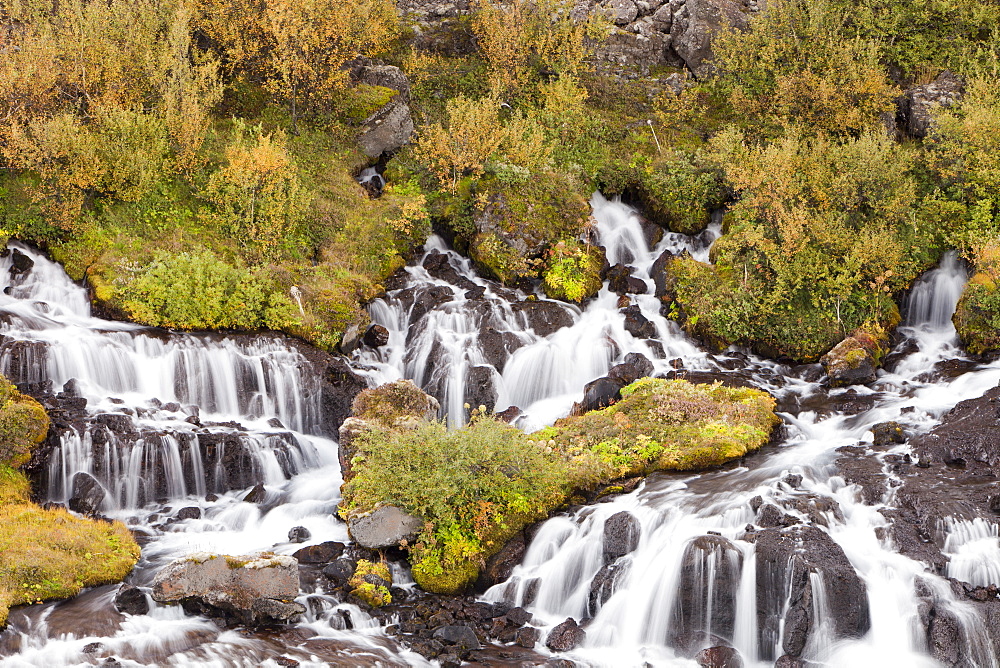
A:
(192, 421)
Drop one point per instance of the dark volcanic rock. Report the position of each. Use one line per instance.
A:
(544, 317)
(340, 384)
(601, 393)
(621, 535)
(603, 586)
(480, 389)
(719, 657)
(637, 324)
(87, 496)
(130, 600)
(20, 263)
(323, 553)
(710, 564)
(887, 433)
(376, 336)
(635, 366)
(500, 565)
(565, 636)
(786, 560)
(460, 636)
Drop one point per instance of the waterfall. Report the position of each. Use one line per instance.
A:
(933, 298)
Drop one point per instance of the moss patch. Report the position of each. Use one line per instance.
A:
(573, 271)
(370, 583)
(47, 554)
(477, 486)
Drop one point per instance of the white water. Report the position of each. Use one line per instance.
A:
(250, 382)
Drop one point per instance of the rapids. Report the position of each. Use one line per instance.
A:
(158, 402)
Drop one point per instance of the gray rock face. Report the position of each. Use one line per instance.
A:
(694, 27)
(255, 589)
(790, 562)
(622, 12)
(386, 526)
(388, 129)
(621, 535)
(918, 103)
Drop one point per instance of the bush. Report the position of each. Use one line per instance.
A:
(475, 487)
(198, 290)
(573, 271)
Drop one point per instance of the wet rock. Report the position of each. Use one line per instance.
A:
(323, 553)
(621, 535)
(87, 497)
(603, 586)
(850, 362)
(786, 661)
(256, 495)
(375, 336)
(887, 433)
(621, 281)
(340, 385)
(918, 103)
(710, 564)
(509, 414)
(544, 317)
(501, 565)
(637, 324)
(527, 637)
(600, 393)
(189, 513)
(462, 637)
(116, 422)
(386, 526)
(694, 26)
(252, 590)
(719, 657)
(635, 366)
(787, 561)
(20, 263)
(770, 515)
(659, 274)
(131, 600)
(299, 535)
(565, 636)
(480, 389)
(339, 571)
(498, 346)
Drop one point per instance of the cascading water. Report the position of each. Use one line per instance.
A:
(754, 556)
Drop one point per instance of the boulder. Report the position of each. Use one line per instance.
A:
(916, 105)
(621, 535)
(323, 553)
(850, 362)
(527, 637)
(887, 433)
(637, 324)
(299, 535)
(719, 657)
(462, 637)
(635, 366)
(600, 393)
(501, 565)
(544, 317)
(386, 526)
(253, 590)
(710, 565)
(565, 636)
(603, 586)
(479, 387)
(787, 561)
(87, 496)
(376, 336)
(19, 263)
(388, 129)
(340, 384)
(695, 25)
(621, 12)
(131, 600)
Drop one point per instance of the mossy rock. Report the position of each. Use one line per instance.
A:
(573, 271)
(669, 425)
(977, 316)
(515, 223)
(23, 425)
(394, 403)
(370, 583)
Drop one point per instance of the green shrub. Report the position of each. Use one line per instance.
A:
(679, 192)
(573, 271)
(375, 595)
(475, 487)
(198, 290)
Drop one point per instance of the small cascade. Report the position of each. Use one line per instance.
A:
(465, 339)
(933, 298)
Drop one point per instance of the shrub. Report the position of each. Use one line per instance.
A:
(198, 290)
(475, 487)
(367, 583)
(573, 271)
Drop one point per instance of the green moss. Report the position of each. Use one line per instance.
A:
(23, 425)
(47, 554)
(679, 192)
(977, 316)
(372, 593)
(499, 260)
(390, 404)
(573, 271)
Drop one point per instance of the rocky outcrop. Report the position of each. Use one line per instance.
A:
(850, 362)
(710, 564)
(916, 106)
(252, 590)
(386, 526)
(389, 128)
(621, 535)
(790, 563)
(696, 23)
(565, 636)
